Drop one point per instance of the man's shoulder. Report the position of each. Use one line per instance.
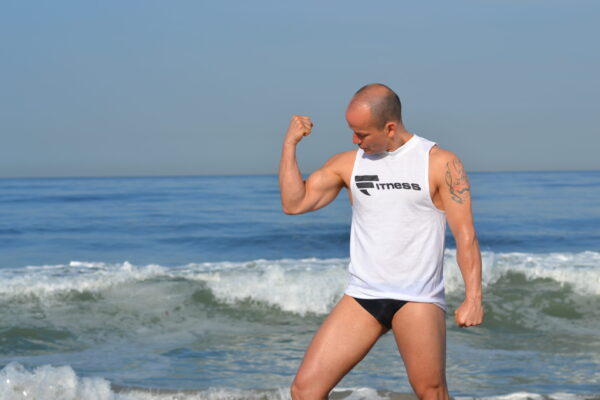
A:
(342, 160)
(341, 164)
(441, 161)
(440, 156)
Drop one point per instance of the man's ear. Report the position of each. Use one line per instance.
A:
(390, 129)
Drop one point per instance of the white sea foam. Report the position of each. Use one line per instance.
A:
(78, 276)
(579, 270)
(50, 383)
(533, 396)
(299, 286)
(62, 383)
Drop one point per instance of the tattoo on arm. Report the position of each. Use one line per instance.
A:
(457, 181)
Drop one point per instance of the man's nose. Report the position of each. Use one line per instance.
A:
(355, 139)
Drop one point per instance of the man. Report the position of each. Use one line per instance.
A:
(402, 188)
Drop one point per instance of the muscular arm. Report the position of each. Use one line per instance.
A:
(322, 186)
(455, 193)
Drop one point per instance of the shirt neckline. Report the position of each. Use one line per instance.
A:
(405, 147)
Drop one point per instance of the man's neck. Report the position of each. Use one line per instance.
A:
(399, 140)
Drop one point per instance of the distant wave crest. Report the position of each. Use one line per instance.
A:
(68, 306)
(295, 285)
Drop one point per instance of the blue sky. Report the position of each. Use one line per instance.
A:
(113, 88)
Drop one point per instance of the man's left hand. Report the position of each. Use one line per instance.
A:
(470, 313)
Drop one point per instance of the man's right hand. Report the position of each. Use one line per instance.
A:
(300, 126)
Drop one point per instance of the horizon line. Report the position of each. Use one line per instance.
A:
(249, 175)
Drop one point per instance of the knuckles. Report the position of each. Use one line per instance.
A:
(300, 126)
(465, 321)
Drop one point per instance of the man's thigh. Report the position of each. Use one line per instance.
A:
(420, 333)
(344, 338)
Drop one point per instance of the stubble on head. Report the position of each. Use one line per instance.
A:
(382, 101)
(374, 113)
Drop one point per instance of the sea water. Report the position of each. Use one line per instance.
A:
(201, 288)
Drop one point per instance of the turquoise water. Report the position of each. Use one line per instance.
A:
(202, 284)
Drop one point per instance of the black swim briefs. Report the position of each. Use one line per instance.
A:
(382, 309)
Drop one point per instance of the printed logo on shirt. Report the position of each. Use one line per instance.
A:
(365, 182)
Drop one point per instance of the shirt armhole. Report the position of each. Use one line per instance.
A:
(428, 191)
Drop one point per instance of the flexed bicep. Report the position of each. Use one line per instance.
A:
(322, 187)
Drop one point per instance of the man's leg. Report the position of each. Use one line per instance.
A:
(420, 332)
(344, 338)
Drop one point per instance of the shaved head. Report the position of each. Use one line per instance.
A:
(381, 101)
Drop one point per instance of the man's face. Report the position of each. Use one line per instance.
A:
(365, 133)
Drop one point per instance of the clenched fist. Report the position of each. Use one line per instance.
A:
(470, 313)
(300, 126)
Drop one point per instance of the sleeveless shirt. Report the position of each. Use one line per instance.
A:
(397, 234)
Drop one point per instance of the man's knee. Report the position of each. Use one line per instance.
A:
(303, 389)
(431, 390)
(295, 391)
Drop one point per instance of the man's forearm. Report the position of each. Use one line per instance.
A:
(468, 257)
(291, 184)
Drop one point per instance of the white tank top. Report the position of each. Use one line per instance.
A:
(397, 235)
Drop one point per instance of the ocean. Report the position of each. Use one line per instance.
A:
(201, 288)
